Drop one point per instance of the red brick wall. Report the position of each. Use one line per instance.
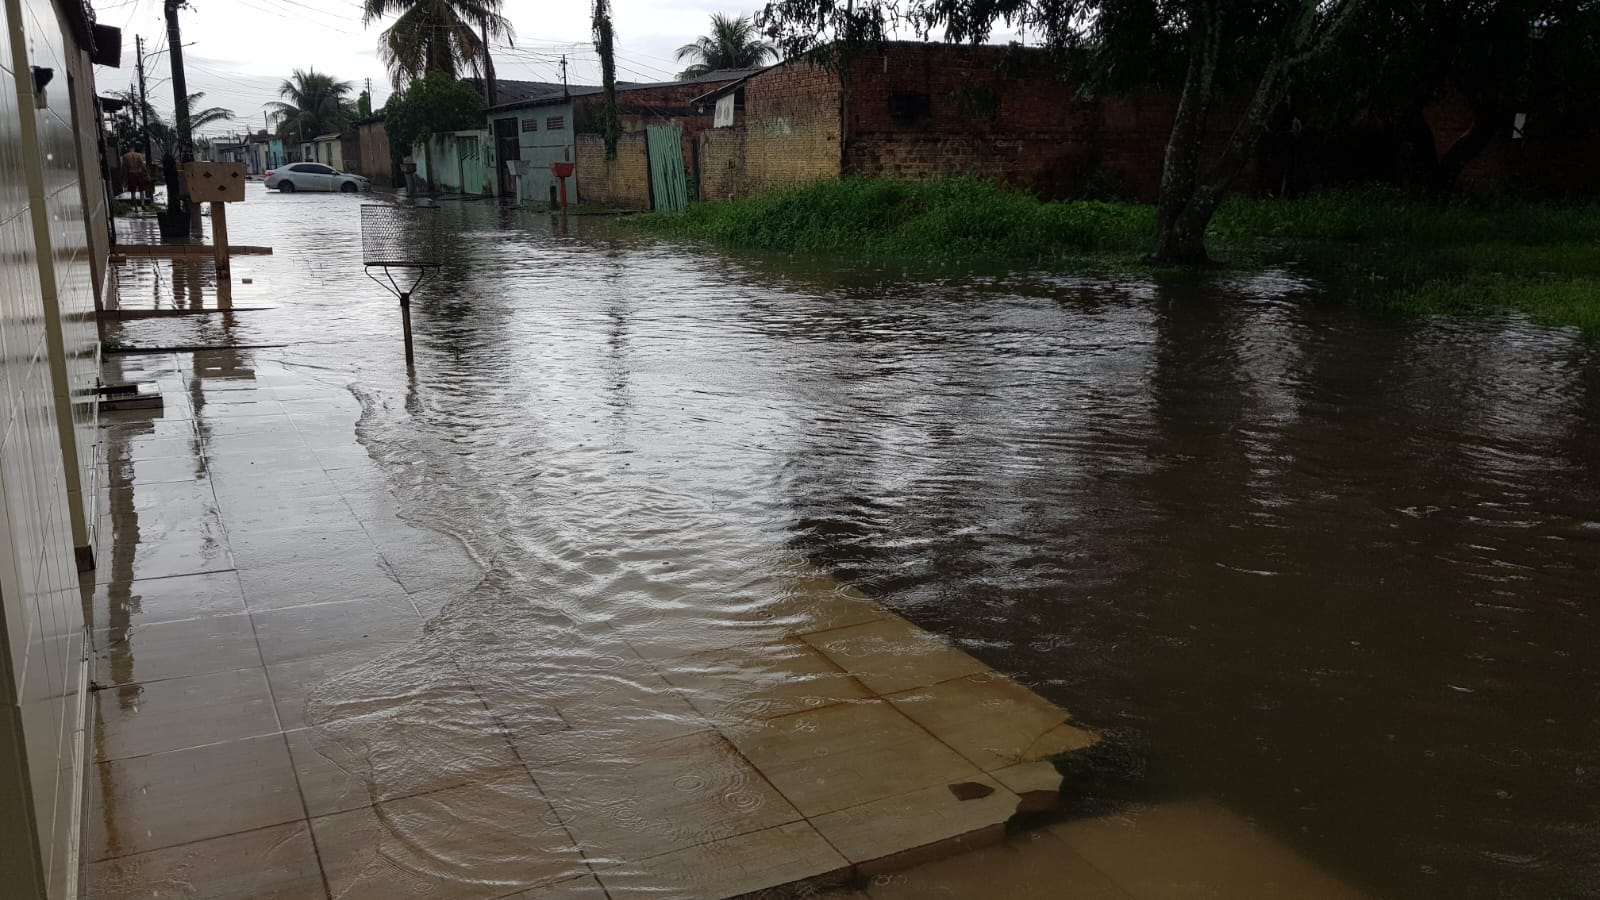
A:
(622, 183)
(791, 125)
(1002, 112)
(722, 156)
(990, 111)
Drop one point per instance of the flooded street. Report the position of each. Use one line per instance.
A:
(1335, 573)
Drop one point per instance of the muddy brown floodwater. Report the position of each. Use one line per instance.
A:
(1337, 572)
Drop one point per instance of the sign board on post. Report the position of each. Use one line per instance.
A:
(215, 182)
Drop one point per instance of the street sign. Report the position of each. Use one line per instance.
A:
(215, 182)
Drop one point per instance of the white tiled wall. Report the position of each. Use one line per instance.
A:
(42, 610)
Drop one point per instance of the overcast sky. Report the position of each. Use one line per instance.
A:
(239, 51)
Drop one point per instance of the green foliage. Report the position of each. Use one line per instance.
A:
(129, 131)
(315, 103)
(734, 42)
(1375, 245)
(958, 220)
(605, 39)
(430, 105)
(435, 37)
(364, 104)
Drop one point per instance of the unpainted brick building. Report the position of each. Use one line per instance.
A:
(918, 110)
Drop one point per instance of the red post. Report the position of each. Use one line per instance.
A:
(562, 171)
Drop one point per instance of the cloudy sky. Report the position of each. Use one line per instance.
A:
(239, 51)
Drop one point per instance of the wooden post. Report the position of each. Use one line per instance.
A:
(219, 238)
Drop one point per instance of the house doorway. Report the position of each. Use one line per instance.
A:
(508, 149)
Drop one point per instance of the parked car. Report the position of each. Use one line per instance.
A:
(307, 176)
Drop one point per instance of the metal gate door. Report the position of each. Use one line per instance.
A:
(669, 185)
(508, 149)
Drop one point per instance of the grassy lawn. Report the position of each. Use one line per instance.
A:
(1386, 250)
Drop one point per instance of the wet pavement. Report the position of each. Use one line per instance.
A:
(1320, 581)
(282, 659)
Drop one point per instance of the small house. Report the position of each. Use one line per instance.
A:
(328, 150)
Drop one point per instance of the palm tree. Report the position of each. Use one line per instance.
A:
(138, 120)
(317, 104)
(734, 43)
(208, 115)
(436, 36)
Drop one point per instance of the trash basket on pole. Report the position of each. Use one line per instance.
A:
(400, 237)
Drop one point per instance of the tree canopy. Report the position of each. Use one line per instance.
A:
(316, 104)
(429, 105)
(1260, 45)
(734, 42)
(128, 124)
(428, 37)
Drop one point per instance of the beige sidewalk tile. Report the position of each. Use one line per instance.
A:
(276, 863)
(149, 802)
(813, 603)
(147, 548)
(893, 655)
(293, 682)
(135, 719)
(1037, 783)
(586, 887)
(302, 632)
(847, 755)
(166, 599)
(729, 867)
(887, 833)
(310, 580)
(642, 800)
(483, 841)
(992, 720)
(776, 679)
(422, 746)
(174, 649)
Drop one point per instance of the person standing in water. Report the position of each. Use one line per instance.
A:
(135, 176)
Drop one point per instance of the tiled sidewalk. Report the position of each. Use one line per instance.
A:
(274, 720)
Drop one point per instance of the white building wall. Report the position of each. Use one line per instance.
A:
(49, 356)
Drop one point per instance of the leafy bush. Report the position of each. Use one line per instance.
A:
(428, 106)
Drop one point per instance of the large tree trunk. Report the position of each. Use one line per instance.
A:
(1180, 171)
(1188, 202)
(1487, 120)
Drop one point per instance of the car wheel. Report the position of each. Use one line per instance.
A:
(349, 187)
(285, 187)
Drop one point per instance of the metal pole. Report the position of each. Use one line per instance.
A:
(180, 104)
(405, 326)
(144, 104)
(180, 85)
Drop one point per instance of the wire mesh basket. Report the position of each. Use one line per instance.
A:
(400, 236)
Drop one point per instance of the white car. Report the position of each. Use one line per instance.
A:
(308, 176)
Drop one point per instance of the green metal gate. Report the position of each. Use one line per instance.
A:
(669, 184)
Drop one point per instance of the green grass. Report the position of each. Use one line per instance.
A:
(961, 220)
(1382, 248)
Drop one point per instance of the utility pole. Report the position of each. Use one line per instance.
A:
(144, 105)
(488, 67)
(564, 91)
(180, 84)
(180, 103)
